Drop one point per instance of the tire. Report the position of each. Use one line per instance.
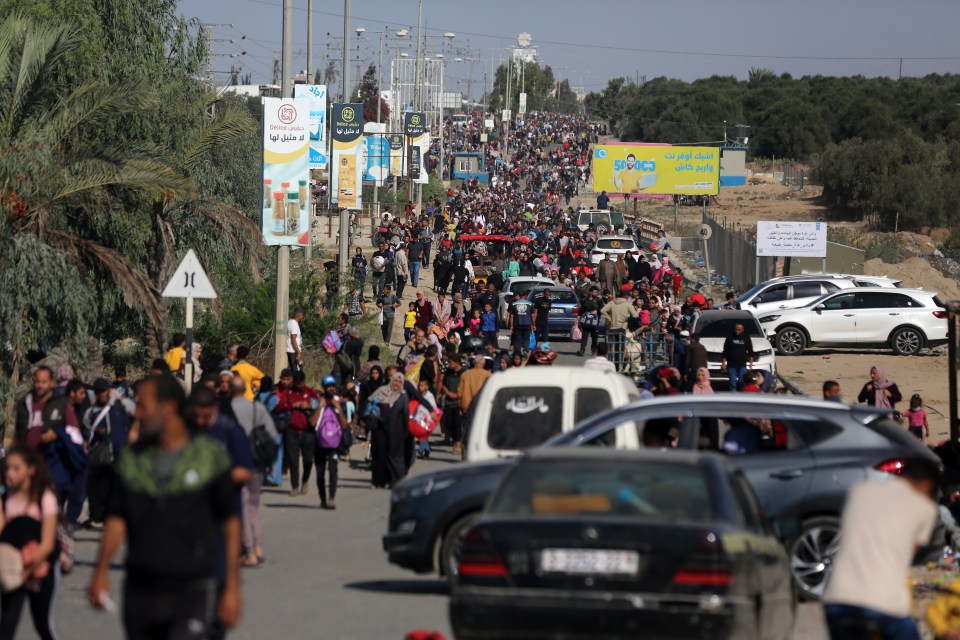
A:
(811, 555)
(790, 341)
(449, 556)
(906, 341)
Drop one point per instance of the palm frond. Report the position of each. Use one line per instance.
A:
(243, 233)
(229, 123)
(158, 180)
(137, 289)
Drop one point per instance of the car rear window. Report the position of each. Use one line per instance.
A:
(558, 297)
(524, 417)
(589, 402)
(719, 326)
(614, 243)
(654, 491)
(524, 287)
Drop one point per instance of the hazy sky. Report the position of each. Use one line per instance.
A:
(590, 41)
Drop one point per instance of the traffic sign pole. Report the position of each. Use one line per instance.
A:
(188, 366)
(189, 281)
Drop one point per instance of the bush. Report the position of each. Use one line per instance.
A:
(885, 247)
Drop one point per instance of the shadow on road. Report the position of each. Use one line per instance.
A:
(410, 587)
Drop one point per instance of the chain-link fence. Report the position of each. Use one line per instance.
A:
(733, 254)
(635, 354)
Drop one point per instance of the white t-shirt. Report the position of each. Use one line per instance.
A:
(600, 363)
(293, 333)
(882, 523)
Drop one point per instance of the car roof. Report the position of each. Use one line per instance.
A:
(924, 292)
(553, 288)
(615, 238)
(727, 313)
(576, 454)
(558, 374)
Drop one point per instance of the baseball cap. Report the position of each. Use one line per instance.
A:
(329, 380)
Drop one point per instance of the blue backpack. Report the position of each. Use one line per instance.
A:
(329, 432)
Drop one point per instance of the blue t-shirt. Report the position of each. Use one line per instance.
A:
(488, 321)
(522, 311)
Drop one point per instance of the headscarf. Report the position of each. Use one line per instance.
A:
(880, 399)
(373, 355)
(704, 387)
(386, 394)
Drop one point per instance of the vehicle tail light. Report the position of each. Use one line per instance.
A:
(576, 311)
(940, 314)
(707, 566)
(893, 465)
(478, 558)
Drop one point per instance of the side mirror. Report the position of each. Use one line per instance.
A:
(820, 307)
(753, 302)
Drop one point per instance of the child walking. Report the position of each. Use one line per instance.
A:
(409, 321)
(917, 418)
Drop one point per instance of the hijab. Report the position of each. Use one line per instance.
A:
(386, 394)
(883, 382)
(702, 387)
(373, 355)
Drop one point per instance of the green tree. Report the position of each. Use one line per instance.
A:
(370, 93)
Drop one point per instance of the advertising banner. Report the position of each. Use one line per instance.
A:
(347, 182)
(317, 95)
(423, 144)
(377, 167)
(398, 160)
(346, 132)
(523, 104)
(629, 169)
(415, 129)
(797, 239)
(414, 124)
(286, 171)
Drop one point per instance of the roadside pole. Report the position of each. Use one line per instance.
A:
(283, 252)
(189, 281)
(308, 250)
(344, 243)
(952, 310)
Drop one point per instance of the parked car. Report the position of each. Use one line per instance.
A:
(565, 309)
(905, 320)
(614, 246)
(518, 286)
(815, 452)
(500, 424)
(790, 292)
(714, 326)
(603, 220)
(592, 543)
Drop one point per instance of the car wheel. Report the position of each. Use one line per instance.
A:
(790, 341)
(811, 555)
(449, 559)
(906, 341)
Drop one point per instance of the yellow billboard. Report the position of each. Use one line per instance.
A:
(631, 169)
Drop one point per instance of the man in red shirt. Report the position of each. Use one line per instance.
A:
(300, 439)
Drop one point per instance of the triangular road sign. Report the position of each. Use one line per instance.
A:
(190, 280)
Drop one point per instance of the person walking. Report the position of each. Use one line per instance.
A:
(607, 273)
(401, 268)
(389, 434)
(329, 422)
(737, 357)
(107, 427)
(294, 341)
(388, 304)
(696, 359)
(589, 320)
(880, 391)
(869, 578)
(520, 324)
(300, 401)
(448, 398)
(359, 264)
(541, 317)
(415, 256)
(28, 523)
(171, 585)
(251, 415)
(701, 384)
(251, 375)
(617, 314)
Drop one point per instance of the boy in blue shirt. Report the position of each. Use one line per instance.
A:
(488, 323)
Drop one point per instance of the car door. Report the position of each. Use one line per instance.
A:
(804, 292)
(833, 320)
(878, 314)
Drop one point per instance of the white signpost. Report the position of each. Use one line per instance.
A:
(791, 239)
(189, 281)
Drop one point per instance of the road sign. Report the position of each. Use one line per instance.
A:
(189, 280)
(705, 232)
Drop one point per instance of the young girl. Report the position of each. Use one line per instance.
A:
(409, 321)
(29, 523)
(917, 418)
(474, 328)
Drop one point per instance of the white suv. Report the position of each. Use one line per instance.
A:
(714, 326)
(905, 320)
(614, 245)
(790, 292)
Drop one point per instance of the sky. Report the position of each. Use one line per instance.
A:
(589, 42)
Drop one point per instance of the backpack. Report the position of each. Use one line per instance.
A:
(262, 444)
(329, 432)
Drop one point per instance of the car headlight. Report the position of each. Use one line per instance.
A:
(423, 488)
(763, 353)
(769, 318)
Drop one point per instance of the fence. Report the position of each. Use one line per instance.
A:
(733, 253)
(794, 176)
(635, 355)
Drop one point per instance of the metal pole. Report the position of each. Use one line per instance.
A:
(952, 368)
(706, 263)
(418, 93)
(308, 250)
(188, 363)
(283, 253)
(376, 188)
(344, 244)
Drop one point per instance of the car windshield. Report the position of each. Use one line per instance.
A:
(744, 297)
(652, 491)
(721, 326)
(614, 243)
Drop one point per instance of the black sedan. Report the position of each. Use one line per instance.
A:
(587, 543)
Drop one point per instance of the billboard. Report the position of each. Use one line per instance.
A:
(631, 169)
(346, 131)
(286, 172)
(377, 167)
(317, 95)
(398, 146)
(800, 239)
(418, 139)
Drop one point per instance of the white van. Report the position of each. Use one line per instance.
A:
(521, 408)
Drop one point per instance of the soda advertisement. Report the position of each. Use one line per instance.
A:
(415, 130)
(631, 169)
(346, 131)
(286, 172)
(397, 142)
(317, 95)
(377, 167)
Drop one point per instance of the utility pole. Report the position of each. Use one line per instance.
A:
(283, 252)
(419, 92)
(308, 250)
(376, 189)
(345, 213)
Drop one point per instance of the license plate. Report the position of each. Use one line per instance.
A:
(590, 561)
(556, 310)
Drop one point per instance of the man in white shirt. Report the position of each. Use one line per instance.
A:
(883, 525)
(295, 341)
(600, 362)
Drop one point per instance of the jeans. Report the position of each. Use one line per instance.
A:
(542, 333)
(847, 622)
(588, 334)
(297, 443)
(736, 375)
(401, 284)
(414, 272)
(275, 476)
(521, 339)
(326, 461)
(386, 329)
